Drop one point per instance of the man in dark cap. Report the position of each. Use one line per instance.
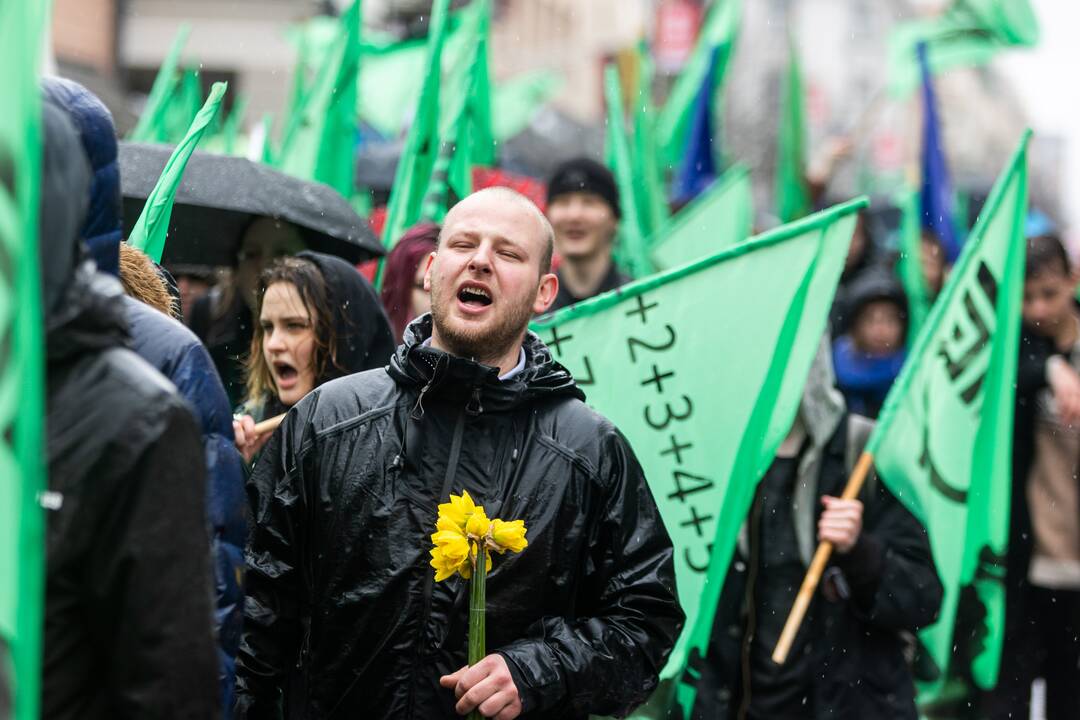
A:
(583, 207)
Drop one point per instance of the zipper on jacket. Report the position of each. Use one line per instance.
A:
(429, 581)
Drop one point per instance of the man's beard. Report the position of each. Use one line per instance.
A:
(486, 345)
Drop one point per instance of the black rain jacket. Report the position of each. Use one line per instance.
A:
(128, 612)
(343, 617)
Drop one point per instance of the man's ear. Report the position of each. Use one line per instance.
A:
(545, 293)
(427, 271)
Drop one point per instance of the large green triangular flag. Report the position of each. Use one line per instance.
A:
(720, 28)
(321, 133)
(152, 226)
(792, 194)
(22, 361)
(631, 248)
(943, 441)
(151, 126)
(640, 354)
(718, 218)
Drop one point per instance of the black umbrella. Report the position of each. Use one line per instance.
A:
(220, 195)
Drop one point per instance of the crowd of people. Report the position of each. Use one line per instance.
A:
(201, 564)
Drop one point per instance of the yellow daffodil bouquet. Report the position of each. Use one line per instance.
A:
(462, 532)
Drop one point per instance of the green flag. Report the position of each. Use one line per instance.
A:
(422, 142)
(943, 441)
(792, 195)
(22, 360)
(465, 123)
(631, 249)
(909, 264)
(640, 354)
(648, 179)
(181, 107)
(718, 218)
(152, 226)
(321, 133)
(151, 124)
(970, 32)
(517, 100)
(720, 28)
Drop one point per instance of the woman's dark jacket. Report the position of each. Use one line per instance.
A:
(343, 616)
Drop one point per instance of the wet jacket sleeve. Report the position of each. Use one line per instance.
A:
(158, 572)
(890, 571)
(270, 644)
(607, 660)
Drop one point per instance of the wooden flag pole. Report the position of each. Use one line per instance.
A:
(817, 567)
(269, 425)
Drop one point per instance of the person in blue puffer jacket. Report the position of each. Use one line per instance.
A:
(179, 355)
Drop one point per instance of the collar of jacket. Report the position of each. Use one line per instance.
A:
(449, 378)
(89, 317)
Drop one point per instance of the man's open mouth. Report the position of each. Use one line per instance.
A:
(474, 296)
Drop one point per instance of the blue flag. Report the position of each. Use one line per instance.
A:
(698, 168)
(937, 192)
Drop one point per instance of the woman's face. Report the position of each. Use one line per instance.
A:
(288, 344)
(421, 298)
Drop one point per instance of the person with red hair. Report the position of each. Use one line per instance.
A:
(403, 295)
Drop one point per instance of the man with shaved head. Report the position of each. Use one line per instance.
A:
(344, 617)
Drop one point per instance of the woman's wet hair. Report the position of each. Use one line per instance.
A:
(303, 275)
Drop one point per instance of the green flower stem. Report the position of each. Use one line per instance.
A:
(477, 591)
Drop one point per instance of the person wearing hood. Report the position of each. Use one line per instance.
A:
(128, 629)
(847, 660)
(870, 355)
(318, 319)
(344, 616)
(177, 354)
(225, 318)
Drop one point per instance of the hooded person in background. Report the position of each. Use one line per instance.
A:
(177, 354)
(344, 617)
(583, 208)
(128, 614)
(870, 355)
(224, 318)
(318, 319)
(847, 660)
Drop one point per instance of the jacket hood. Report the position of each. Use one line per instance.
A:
(875, 284)
(80, 308)
(364, 340)
(420, 365)
(103, 227)
(822, 407)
